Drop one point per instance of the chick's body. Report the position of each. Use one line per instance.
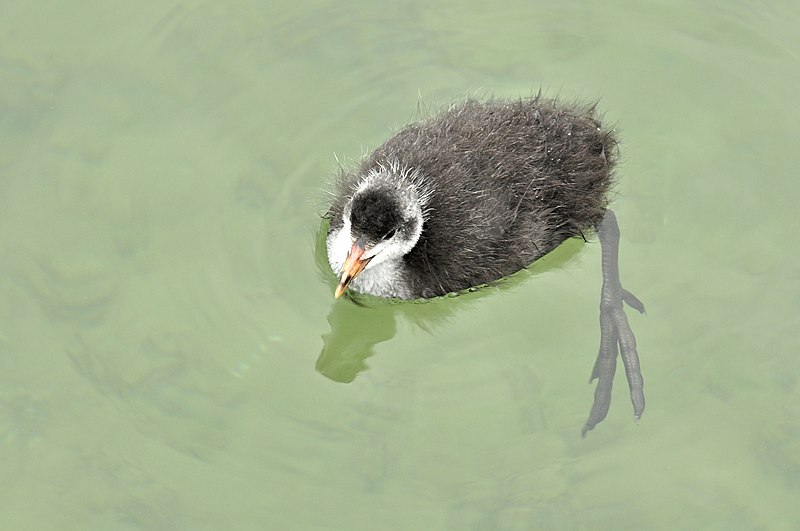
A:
(501, 184)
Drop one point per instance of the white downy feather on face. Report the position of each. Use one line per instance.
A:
(387, 187)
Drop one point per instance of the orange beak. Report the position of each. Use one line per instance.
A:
(353, 265)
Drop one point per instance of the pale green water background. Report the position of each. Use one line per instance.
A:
(162, 312)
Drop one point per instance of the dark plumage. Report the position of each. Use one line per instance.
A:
(375, 214)
(507, 182)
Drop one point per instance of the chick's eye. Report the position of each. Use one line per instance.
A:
(389, 234)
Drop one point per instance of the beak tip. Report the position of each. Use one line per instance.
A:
(340, 289)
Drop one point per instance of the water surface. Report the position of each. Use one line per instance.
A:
(172, 355)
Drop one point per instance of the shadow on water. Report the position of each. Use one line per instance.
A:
(359, 322)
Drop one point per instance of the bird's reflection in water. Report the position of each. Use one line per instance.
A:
(363, 321)
(358, 324)
(355, 330)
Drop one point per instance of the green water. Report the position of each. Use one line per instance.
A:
(171, 355)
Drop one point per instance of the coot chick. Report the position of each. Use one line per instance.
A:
(475, 194)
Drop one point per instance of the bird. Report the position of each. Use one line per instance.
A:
(472, 195)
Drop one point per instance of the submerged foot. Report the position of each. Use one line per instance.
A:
(616, 336)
